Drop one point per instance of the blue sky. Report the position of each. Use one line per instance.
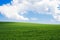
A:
(29, 11)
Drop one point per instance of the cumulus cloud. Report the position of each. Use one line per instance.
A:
(18, 7)
(12, 11)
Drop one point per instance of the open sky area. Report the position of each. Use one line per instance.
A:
(38, 11)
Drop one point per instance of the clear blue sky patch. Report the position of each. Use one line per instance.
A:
(2, 2)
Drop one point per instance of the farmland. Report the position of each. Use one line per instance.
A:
(29, 31)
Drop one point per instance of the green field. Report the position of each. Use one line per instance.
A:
(29, 31)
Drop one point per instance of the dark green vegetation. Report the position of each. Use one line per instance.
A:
(29, 31)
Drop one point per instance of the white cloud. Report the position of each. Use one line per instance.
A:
(22, 6)
(57, 17)
(12, 11)
(49, 7)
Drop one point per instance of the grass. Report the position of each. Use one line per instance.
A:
(29, 31)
